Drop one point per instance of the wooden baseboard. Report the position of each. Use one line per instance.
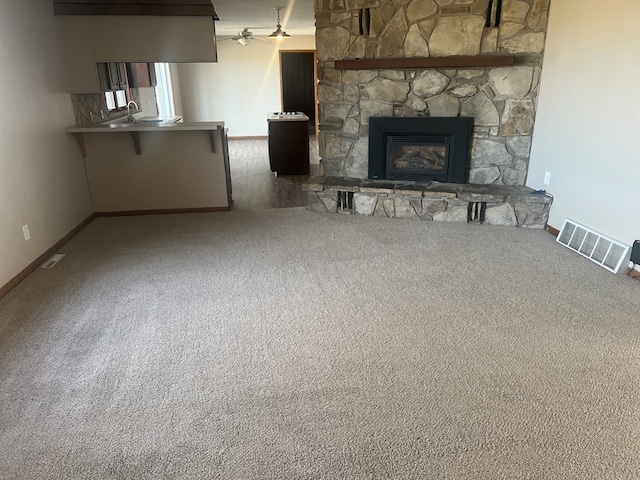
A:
(553, 231)
(259, 137)
(38, 261)
(164, 211)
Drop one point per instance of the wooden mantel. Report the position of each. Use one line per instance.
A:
(461, 61)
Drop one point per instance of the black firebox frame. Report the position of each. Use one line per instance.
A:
(456, 130)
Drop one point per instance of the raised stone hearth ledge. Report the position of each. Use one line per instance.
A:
(505, 205)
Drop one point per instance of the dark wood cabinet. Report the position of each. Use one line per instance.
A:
(103, 77)
(141, 75)
(112, 76)
(289, 145)
(152, 74)
(119, 75)
(122, 76)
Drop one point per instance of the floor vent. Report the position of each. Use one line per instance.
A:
(596, 247)
(53, 260)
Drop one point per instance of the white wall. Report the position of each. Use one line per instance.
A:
(587, 130)
(241, 89)
(42, 178)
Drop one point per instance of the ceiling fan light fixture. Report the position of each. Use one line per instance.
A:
(278, 32)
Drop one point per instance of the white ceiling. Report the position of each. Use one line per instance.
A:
(260, 16)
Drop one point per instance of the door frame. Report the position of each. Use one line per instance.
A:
(315, 84)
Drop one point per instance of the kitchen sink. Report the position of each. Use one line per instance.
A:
(141, 122)
(157, 120)
(149, 120)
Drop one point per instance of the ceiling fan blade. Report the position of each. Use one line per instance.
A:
(235, 39)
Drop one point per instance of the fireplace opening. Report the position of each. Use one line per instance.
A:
(420, 149)
(416, 155)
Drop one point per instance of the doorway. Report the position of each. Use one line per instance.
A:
(298, 78)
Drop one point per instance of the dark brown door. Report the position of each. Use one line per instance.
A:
(298, 83)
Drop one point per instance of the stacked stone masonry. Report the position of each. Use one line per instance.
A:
(502, 100)
(506, 205)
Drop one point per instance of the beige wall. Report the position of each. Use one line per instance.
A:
(241, 89)
(42, 178)
(587, 130)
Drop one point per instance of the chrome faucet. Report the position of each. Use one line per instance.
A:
(130, 117)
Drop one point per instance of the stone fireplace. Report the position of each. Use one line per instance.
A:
(426, 59)
(420, 149)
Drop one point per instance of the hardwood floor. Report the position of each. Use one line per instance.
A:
(255, 187)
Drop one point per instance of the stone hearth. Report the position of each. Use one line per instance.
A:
(507, 205)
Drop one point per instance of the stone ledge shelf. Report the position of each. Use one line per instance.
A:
(506, 205)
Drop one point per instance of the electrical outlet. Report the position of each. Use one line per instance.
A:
(547, 178)
(25, 231)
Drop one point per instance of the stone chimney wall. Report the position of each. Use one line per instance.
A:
(502, 100)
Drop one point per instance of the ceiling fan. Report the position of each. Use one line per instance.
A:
(245, 36)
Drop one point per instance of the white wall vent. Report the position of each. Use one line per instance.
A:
(53, 260)
(596, 247)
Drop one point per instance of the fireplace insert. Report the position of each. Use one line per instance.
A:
(420, 148)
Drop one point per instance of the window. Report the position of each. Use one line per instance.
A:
(111, 101)
(121, 99)
(164, 91)
(116, 100)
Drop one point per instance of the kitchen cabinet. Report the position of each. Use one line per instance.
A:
(289, 143)
(112, 76)
(141, 74)
(122, 76)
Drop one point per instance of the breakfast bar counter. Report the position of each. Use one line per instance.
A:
(156, 165)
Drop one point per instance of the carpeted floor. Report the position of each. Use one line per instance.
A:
(286, 344)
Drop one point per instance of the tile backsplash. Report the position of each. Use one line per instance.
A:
(92, 107)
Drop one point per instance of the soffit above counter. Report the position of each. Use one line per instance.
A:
(162, 8)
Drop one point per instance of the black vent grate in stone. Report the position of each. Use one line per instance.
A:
(364, 21)
(494, 12)
(476, 211)
(345, 201)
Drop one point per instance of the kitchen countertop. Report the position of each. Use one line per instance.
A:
(287, 117)
(145, 124)
(142, 126)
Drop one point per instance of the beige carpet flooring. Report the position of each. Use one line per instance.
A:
(286, 344)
